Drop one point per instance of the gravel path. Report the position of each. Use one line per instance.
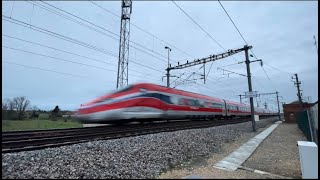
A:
(278, 154)
(134, 157)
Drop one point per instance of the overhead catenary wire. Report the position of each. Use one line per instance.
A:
(93, 24)
(142, 29)
(233, 22)
(68, 52)
(43, 69)
(107, 31)
(66, 38)
(83, 19)
(211, 37)
(91, 28)
(243, 38)
(70, 61)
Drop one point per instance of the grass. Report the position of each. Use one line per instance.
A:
(33, 124)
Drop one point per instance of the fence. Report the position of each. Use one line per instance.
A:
(307, 121)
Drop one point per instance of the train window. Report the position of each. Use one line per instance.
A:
(154, 95)
(195, 102)
(185, 102)
(191, 102)
(181, 101)
(207, 104)
(174, 99)
(216, 105)
(201, 103)
(165, 98)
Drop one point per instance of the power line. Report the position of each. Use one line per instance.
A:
(241, 36)
(142, 29)
(110, 32)
(91, 28)
(118, 35)
(32, 67)
(74, 62)
(233, 22)
(56, 49)
(51, 33)
(74, 53)
(278, 69)
(105, 30)
(59, 59)
(197, 24)
(102, 32)
(66, 38)
(211, 37)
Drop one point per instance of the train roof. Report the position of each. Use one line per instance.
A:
(237, 104)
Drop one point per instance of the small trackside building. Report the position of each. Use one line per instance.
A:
(289, 110)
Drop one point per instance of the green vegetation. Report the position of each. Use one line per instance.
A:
(21, 125)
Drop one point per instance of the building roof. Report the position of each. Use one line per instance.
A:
(295, 102)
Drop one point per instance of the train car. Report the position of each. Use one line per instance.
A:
(148, 102)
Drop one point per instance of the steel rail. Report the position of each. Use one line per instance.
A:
(34, 140)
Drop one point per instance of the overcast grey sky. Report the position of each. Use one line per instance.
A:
(281, 33)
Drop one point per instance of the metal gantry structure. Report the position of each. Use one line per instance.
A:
(215, 58)
(277, 93)
(123, 76)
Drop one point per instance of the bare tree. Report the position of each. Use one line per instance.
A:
(5, 104)
(21, 104)
(11, 104)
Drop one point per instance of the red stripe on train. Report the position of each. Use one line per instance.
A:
(145, 102)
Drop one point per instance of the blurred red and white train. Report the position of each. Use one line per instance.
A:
(148, 102)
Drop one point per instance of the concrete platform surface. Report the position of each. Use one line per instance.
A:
(236, 158)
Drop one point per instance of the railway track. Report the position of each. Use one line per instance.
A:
(34, 140)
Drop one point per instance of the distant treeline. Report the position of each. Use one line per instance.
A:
(20, 108)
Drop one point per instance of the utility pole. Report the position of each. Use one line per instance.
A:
(122, 77)
(241, 98)
(250, 86)
(168, 70)
(298, 88)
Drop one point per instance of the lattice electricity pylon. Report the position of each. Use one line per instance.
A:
(122, 78)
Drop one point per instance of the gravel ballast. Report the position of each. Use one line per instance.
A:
(143, 156)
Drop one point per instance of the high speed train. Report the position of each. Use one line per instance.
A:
(148, 102)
